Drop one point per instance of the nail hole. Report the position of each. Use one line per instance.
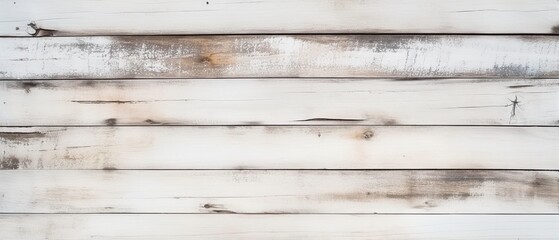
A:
(368, 134)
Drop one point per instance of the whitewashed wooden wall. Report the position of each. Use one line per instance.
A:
(307, 119)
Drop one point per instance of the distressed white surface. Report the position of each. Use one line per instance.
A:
(280, 101)
(279, 56)
(254, 191)
(390, 147)
(105, 17)
(285, 227)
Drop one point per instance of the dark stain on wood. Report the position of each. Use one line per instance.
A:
(541, 186)
(110, 121)
(109, 168)
(214, 59)
(152, 122)
(331, 120)
(209, 205)
(414, 79)
(27, 86)
(9, 163)
(428, 190)
(205, 59)
(390, 122)
(253, 123)
(88, 83)
(41, 32)
(223, 211)
(216, 208)
(521, 86)
(20, 136)
(106, 102)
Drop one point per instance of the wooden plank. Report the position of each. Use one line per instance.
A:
(206, 227)
(280, 102)
(279, 191)
(304, 147)
(136, 17)
(279, 56)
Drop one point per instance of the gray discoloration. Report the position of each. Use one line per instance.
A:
(511, 70)
(20, 136)
(9, 163)
(380, 43)
(427, 190)
(110, 121)
(555, 29)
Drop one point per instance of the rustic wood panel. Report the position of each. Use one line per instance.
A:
(265, 191)
(304, 147)
(178, 227)
(279, 56)
(102, 17)
(280, 101)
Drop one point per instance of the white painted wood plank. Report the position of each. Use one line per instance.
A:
(324, 227)
(280, 101)
(102, 17)
(279, 56)
(304, 147)
(273, 191)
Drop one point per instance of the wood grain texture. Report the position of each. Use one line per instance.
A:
(304, 147)
(280, 102)
(136, 17)
(284, 227)
(273, 191)
(398, 56)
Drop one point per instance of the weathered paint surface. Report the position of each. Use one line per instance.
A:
(279, 147)
(280, 102)
(138, 17)
(279, 136)
(399, 56)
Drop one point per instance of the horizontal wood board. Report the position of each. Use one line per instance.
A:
(273, 192)
(280, 102)
(140, 17)
(284, 227)
(391, 56)
(279, 147)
